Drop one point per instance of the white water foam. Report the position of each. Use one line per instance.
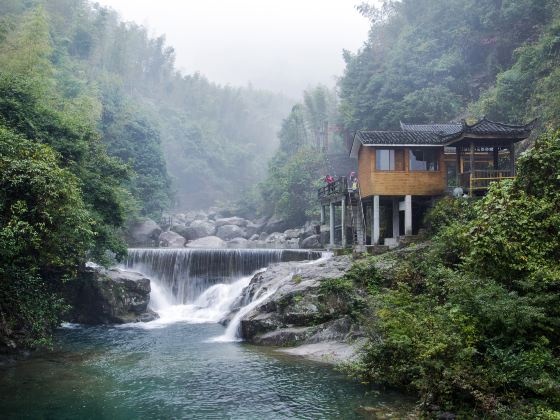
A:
(211, 306)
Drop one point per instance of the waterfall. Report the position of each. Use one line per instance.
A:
(201, 285)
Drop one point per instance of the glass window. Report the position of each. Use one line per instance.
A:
(389, 160)
(424, 160)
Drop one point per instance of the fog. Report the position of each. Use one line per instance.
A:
(284, 46)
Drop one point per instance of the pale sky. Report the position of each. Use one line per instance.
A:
(280, 45)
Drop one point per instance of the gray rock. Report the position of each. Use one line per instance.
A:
(275, 224)
(276, 237)
(238, 243)
(292, 233)
(255, 237)
(298, 311)
(254, 228)
(143, 232)
(100, 296)
(171, 239)
(312, 242)
(207, 242)
(227, 232)
(236, 221)
(200, 229)
(180, 228)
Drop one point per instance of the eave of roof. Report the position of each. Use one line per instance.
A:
(439, 135)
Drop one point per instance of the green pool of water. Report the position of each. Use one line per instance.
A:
(174, 372)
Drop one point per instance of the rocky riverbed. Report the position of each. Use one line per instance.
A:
(299, 312)
(212, 229)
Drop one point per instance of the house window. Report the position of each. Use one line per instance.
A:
(389, 160)
(424, 160)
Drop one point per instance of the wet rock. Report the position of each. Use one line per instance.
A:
(171, 239)
(200, 229)
(312, 242)
(297, 312)
(228, 232)
(143, 232)
(207, 242)
(100, 296)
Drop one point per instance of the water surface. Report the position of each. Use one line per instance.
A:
(174, 372)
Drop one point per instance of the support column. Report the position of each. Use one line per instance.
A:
(459, 171)
(471, 169)
(512, 159)
(343, 221)
(495, 158)
(331, 221)
(322, 215)
(408, 215)
(396, 218)
(375, 221)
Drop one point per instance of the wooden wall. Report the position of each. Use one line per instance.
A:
(373, 182)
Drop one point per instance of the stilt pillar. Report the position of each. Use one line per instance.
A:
(408, 215)
(322, 215)
(343, 221)
(375, 221)
(396, 218)
(331, 221)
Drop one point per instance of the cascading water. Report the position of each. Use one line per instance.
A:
(201, 285)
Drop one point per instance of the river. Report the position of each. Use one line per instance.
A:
(184, 365)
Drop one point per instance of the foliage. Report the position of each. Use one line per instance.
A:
(45, 232)
(472, 323)
(428, 60)
(298, 167)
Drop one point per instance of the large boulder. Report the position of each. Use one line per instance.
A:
(180, 228)
(292, 233)
(299, 310)
(311, 242)
(144, 232)
(207, 242)
(115, 296)
(276, 238)
(200, 229)
(228, 232)
(275, 224)
(171, 239)
(236, 221)
(254, 228)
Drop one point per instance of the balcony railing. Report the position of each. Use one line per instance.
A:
(481, 179)
(336, 188)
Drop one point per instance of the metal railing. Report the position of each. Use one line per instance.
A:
(481, 179)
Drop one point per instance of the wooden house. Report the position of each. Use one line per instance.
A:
(402, 172)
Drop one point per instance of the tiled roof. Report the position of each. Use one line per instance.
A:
(446, 129)
(400, 137)
(485, 126)
(443, 134)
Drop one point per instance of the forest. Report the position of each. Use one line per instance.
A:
(98, 128)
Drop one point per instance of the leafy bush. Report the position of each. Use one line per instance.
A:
(45, 232)
(472, 324)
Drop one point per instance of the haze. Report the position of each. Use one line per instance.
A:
(284, 46)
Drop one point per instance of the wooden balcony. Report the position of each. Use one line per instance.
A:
(336, 189)
(480, 180)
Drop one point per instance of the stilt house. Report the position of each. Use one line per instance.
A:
(400, 173)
